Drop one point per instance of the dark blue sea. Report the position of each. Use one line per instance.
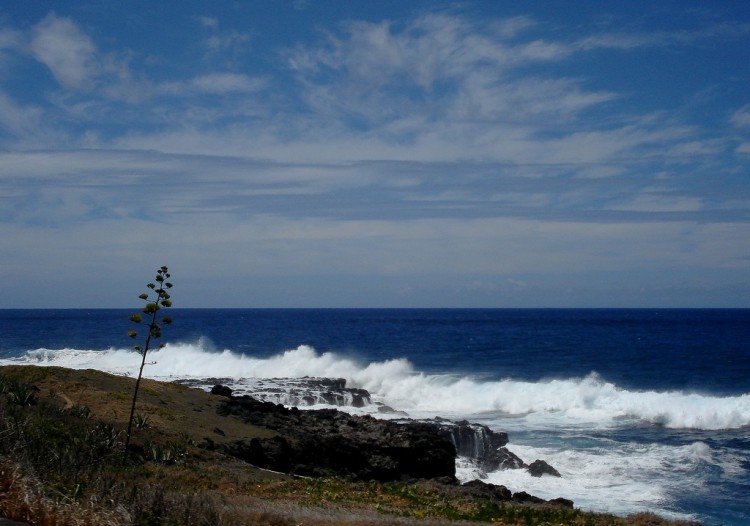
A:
(637, 409)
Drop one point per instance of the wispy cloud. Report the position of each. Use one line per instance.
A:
(479, 150)
(214, 83)
(741, 117)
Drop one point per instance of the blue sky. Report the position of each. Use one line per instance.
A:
(376, 154)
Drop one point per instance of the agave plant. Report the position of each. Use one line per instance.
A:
(155, 300)
(20, 393)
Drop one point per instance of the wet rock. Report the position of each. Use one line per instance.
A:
(477, 442)
(221, 390)
(309, 391)
(386, 409)
(540, 467)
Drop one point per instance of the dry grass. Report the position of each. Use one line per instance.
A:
(60, 465)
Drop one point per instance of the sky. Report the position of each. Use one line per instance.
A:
(375, 154)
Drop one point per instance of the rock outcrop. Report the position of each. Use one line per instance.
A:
(540, 467)
(478, 489)
(477, 442)
(330, 442)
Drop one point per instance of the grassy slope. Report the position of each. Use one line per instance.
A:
(175, 411)
(206, 488)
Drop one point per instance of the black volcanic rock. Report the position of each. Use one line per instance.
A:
(526, 498)
(540, 467)
(329, 442)
(478, 488)
(480, 444)
(221, 390)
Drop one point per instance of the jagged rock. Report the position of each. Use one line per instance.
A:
(330, 442)
(480, 444)
(540, 467)
(389, 410)
(561, 502)
(221, 390)
(309, 391)
(503, 459)
(525, 498)
(331, 383)
(478, 488)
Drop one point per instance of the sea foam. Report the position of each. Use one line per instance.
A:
(590, 400)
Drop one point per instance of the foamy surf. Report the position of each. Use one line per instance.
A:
(616, 478)
(589, 401)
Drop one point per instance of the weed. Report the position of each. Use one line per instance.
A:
(166, 453)
(20, 393)
(80, 411)
(140, 420)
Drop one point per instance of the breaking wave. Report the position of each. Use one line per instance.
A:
(588, 400)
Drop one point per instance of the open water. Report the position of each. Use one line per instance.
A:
(639, 410)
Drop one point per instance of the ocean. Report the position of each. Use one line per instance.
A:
(639, 410)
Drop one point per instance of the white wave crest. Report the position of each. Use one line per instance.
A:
(579, 400)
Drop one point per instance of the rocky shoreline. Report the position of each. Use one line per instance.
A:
(329, 442)
(185, 465)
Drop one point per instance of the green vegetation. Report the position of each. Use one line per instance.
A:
(18, 393)
(154, 304)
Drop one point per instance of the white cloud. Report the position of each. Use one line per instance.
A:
(213, 83)
(629, 41)
(10, 40)
(219, 42)
(66, 51)
(209, 22)
(227, 82)
(512, 27)
(741, 117)
(79, 66)
(23, 122)
(656, 202)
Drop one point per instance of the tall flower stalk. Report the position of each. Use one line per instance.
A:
(156, 299)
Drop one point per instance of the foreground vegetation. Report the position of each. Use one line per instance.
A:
(62, 433)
